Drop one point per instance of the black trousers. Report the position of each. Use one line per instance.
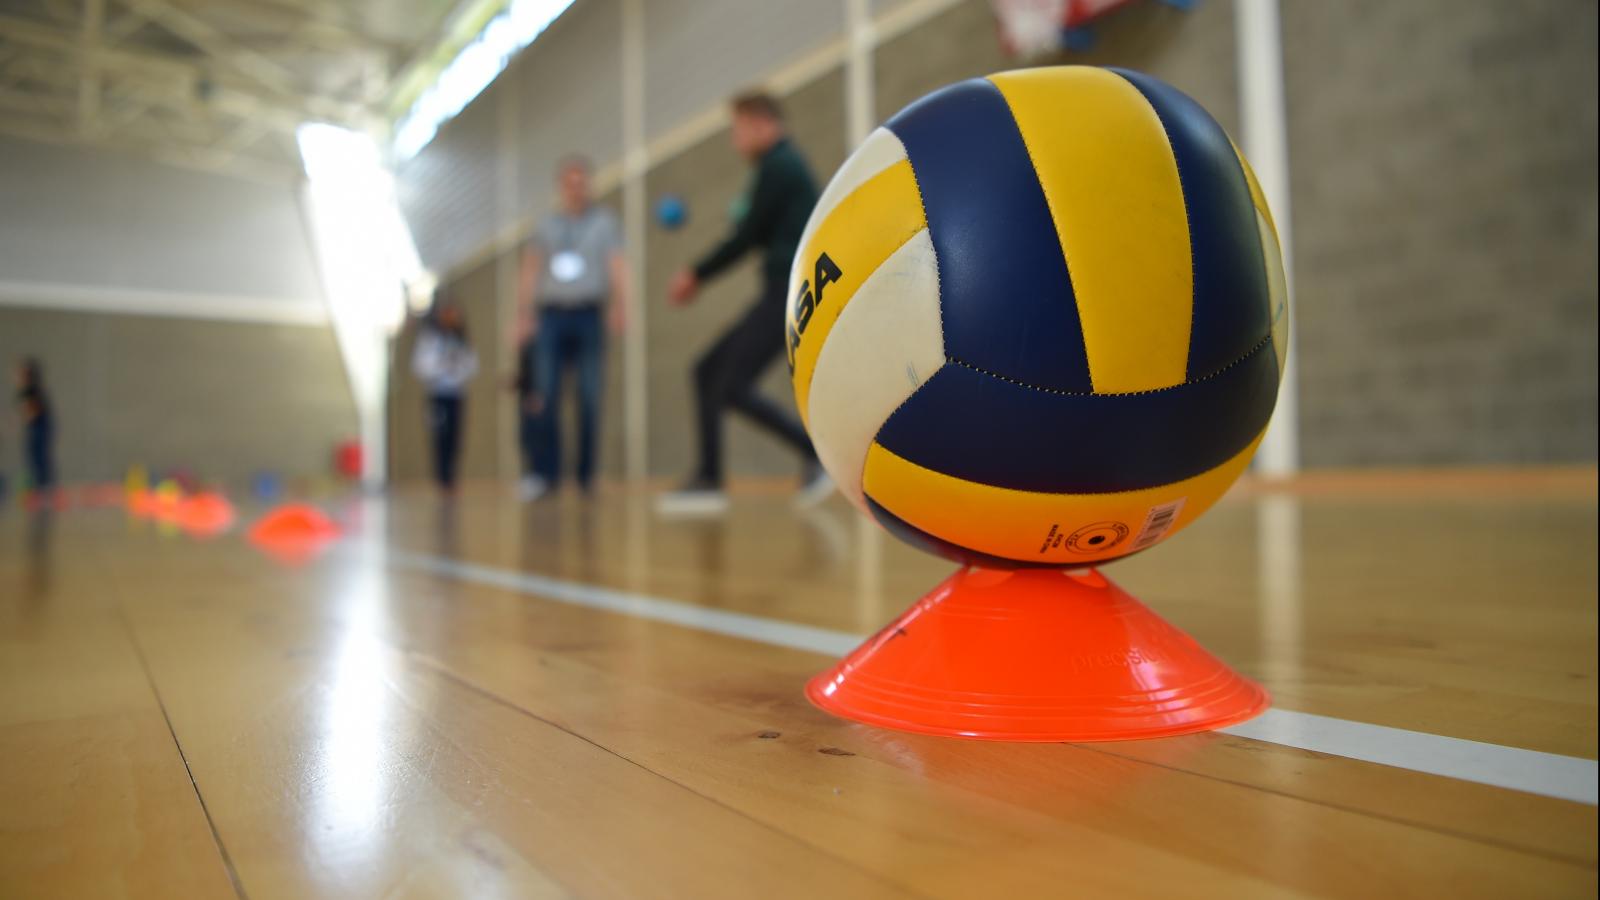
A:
(41, 467)
(726, 376)
(444, 424)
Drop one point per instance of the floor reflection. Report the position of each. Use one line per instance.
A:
(38, 579)
(1279, 577)
(359, 744)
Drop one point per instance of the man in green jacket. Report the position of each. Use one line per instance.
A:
(781, 196)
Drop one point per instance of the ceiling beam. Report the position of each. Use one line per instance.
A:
(220, 107)
(94, 14)
(251, 168)
(187, 76)
(52, 107)
(218, 46)
(118, 29)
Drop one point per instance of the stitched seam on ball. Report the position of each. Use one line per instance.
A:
(848, 300)
(938, 288)
(1261, 344)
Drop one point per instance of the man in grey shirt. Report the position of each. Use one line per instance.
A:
(573, 271)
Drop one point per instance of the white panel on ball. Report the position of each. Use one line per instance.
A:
(888, 340)
(879, 151)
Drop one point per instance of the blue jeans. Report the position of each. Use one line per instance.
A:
(568, 337)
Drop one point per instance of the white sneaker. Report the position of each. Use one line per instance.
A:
(697, 498)
(815, 486)
(531, 488)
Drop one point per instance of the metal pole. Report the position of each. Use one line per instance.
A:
(1259, 39)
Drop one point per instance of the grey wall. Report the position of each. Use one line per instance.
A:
(88, 218)
(697, 52)
(1442, 163)
(1442, 160)
(222, 399)
(219, 397)
(1193, 50)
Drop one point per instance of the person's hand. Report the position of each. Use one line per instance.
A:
(683, 288)
(617, 318)
(534, 403)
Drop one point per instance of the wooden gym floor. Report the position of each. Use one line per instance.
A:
(490, 700)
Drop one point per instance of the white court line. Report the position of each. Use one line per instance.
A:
(1529, 771)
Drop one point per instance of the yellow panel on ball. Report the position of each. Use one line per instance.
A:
(867, 226)
(1039, 528)
(1131, 272)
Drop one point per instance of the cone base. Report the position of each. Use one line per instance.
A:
(1035, 655)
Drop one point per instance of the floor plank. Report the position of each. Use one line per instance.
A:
(95, 799)
(359, 728)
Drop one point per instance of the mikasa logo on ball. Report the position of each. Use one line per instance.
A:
(826, 272)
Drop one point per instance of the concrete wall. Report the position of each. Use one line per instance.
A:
(178, 314)
(78, 222)
(221, 399)
(1443, 172)
(1442, 164)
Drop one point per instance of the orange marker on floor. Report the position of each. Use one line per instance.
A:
(1035, 655)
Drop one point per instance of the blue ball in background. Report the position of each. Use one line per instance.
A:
(672, 212)
(267, 486)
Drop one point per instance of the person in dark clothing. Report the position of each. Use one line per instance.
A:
(38, 425)
(780, 199)
(530, 406)
(445, 362)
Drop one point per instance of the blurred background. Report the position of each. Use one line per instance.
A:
(221, 219)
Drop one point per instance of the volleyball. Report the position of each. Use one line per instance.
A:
(1039, 318)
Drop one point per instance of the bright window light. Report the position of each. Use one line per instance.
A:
(478, 64)
(369, 263)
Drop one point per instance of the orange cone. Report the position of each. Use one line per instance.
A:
(142, 502)
(1035, 655)
(294, 532)
(205, 514)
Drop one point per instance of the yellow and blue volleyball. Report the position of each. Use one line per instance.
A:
(1039, 318)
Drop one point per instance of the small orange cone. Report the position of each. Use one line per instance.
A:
(205, 514)
(142, 502)
(1035, 655)
(294, 532)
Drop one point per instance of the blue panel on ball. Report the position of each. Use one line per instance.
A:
(980, 427)
(1231, 299)
(1004, 291)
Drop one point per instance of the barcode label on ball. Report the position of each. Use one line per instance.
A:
(1158, 523)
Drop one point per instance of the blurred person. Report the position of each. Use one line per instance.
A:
(445, 363)
(775, 209)
(38, 426)
(573, 273)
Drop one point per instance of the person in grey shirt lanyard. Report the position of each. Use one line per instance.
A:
(573, 276)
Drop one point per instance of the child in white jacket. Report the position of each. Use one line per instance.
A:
(445, 363)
